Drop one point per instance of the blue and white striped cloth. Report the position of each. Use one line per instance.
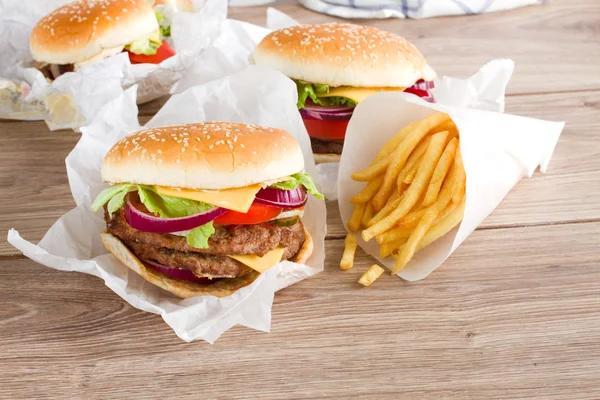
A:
(411, 8)
(400, 8)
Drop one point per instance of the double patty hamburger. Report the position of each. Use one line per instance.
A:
(87, 31)
(203, 209)
(335, 67)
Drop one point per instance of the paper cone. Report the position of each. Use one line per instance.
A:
(497, 150)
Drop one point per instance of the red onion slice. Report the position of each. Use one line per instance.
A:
(326, 113)
(177, 273)
(282, 198)
(149, 223)
(423, 85)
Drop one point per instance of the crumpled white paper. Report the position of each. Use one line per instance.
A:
(497, 150)
(74, 98)
(256, 96)
(231, 45)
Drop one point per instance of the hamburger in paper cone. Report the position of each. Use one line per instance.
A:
(497, 151)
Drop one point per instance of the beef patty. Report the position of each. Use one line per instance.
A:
(53, 71)
(174, 251)
(325, 146)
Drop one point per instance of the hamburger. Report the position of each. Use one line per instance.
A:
(335, 67)
(87, 31)
(203, 209)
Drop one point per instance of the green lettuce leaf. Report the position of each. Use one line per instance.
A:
(301, 178)
(163, 24)
(198, 237)
(143, 46)
(168, 206)
(108, 195)
(308, 90)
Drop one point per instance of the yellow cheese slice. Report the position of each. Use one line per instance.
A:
(261, 264)
(357, 94)
(237, 199)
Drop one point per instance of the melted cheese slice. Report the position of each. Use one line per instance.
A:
(261, 264)
(237, 199)
(358, 94)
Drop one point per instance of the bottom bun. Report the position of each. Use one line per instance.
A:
(326, 157)
(184, 289)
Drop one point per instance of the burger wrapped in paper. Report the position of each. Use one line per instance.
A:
(335, 67)
(203, 209)
(87, 31)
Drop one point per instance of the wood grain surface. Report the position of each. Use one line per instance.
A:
(513, 314)
(516, 325)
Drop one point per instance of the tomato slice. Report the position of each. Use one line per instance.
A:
(318, 128)
(162, 53)
(256, 214)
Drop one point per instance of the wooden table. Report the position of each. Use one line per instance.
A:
(514, 313)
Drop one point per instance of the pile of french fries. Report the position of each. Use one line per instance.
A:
(415, 190)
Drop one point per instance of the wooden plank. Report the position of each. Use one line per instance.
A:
(514, 313)
(33, 180)
(553, 44)
(569, 191)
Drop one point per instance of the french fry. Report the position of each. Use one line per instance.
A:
(367, 215)
(411, 175)
(445, 212)
(350, 244)
(387, 249)
(413, 159)
(394, 235)
(460, 184)
(391, 144)
(371, 275)
(411, 219)
(449, 126)
(445, 194)
(410, 247)
(401, 154)
(444, 226)
(414, 191)
(356, 218)
(388, 208)
(368, 192)
(369, 173)
(440, 172)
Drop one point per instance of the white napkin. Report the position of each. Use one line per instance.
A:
(74, 98)
(497, 150)
(411, 8)
(73, 243)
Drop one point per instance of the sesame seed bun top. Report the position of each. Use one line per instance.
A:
(84, 29)
(210, 155)
(343, 55)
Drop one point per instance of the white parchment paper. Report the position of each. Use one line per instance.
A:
(256, 96)
(74, 98)
(497, 149)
